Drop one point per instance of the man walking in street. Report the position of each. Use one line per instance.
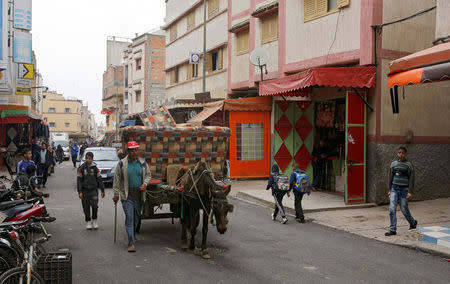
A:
(89, 181)
(45, 162)
(74, 153)
(59, 153)
(401, 184)
(299, 183)
(130, 180)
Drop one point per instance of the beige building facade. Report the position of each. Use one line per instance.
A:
(184, 34)
(62, 115)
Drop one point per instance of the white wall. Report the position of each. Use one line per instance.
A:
(238, 6)
(114, 52)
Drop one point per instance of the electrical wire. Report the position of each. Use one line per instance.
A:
(334, 38)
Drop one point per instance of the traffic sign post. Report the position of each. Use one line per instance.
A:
(25, 71)
(25, 91)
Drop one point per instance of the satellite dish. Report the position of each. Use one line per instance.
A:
(259, 56)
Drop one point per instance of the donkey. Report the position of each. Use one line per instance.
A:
(202, 192)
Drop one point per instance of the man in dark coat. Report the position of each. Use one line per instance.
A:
(45, 161)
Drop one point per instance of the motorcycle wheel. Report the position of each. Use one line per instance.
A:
(7, 261)
(19, 275)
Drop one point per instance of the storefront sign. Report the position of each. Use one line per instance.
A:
(22, 47)
(25, 91)
(22, 14)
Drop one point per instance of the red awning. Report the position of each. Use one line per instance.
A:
(249, 104)
(428, 74)
(358, 77)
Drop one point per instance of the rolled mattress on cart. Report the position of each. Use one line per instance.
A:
(180, 145)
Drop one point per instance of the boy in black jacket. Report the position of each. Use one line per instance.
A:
(88, 182)
(277, 194)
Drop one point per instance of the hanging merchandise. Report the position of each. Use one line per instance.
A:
(325, 114)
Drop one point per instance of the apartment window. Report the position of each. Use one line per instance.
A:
(52, 124)
(174, 76)
(67, 124)
(173, 32)
(242, 42)
(250, 141)
(138, 63)
(191, 21)
(126, 75)
(214, 60)
(192, 71)
(313, 9)
(138, 96)
(67, 110)
(269, 28)
(52, 109)
(213, 7)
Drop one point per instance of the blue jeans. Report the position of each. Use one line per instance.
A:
(398, 195)
(132, 211)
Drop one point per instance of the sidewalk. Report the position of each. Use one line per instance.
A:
(365, 220)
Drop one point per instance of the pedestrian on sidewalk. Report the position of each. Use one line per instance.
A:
(277, 193)
(131, 178)
(45, 162)
(74, 153)
(59, 153)
(300, 184)
(23, 164)
(401, 184)
(89, 181)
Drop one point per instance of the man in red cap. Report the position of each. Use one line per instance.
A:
(130, 182)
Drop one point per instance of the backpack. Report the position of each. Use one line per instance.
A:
(302, 182)
(281, 182)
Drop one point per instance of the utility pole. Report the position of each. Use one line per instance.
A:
(204, 46)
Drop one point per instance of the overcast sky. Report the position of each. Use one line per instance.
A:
(69, 38)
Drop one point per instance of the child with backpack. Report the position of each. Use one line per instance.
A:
(89, 181)
(300, 184)
(280, 186)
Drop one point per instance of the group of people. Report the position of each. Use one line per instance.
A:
(401, 185)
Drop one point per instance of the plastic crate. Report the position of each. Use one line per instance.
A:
(55, 267)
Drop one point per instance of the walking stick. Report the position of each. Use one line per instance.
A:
(115, 222)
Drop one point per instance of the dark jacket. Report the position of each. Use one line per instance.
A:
(59, 150)
(271, 182)
(89, 178)
(317, 153)
(25, 183)
(49, 160)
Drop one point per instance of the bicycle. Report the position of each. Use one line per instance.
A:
(25, 273)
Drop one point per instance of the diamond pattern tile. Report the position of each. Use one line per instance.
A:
(283, 127)
(303, 157)
(303, 127)
(303, 105)
(283, 157)
(12, 132)
(284, 105)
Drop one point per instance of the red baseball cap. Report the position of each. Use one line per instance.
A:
(133, 145)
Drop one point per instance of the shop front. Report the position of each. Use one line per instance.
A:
(326, 104)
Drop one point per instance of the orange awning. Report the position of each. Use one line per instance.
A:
(428, 74)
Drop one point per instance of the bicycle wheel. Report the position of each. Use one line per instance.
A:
(7, 261)
(19, 275)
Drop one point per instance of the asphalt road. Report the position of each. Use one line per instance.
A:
(253, 250)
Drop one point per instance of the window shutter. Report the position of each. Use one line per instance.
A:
(309, 9)
(172, 76)
(189, 71)
(191, 21)
(208, 62)
(321, 7)
(220, 59)
(274, 26)
(343, 3)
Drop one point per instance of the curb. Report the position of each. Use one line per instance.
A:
(246, 198)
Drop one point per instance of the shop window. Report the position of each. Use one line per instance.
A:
(52, 124)
(173, 32)
(191, 21)
(138, 96)
(214, 60)
(67, 124)
(213, 7)
(138, 63)
(192, 71)
(242, 42)
(313, 9)
(67, 110)
(250, 141)
(52, 109)
(269, 28)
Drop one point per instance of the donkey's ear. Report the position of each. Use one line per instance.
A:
(227, 189)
